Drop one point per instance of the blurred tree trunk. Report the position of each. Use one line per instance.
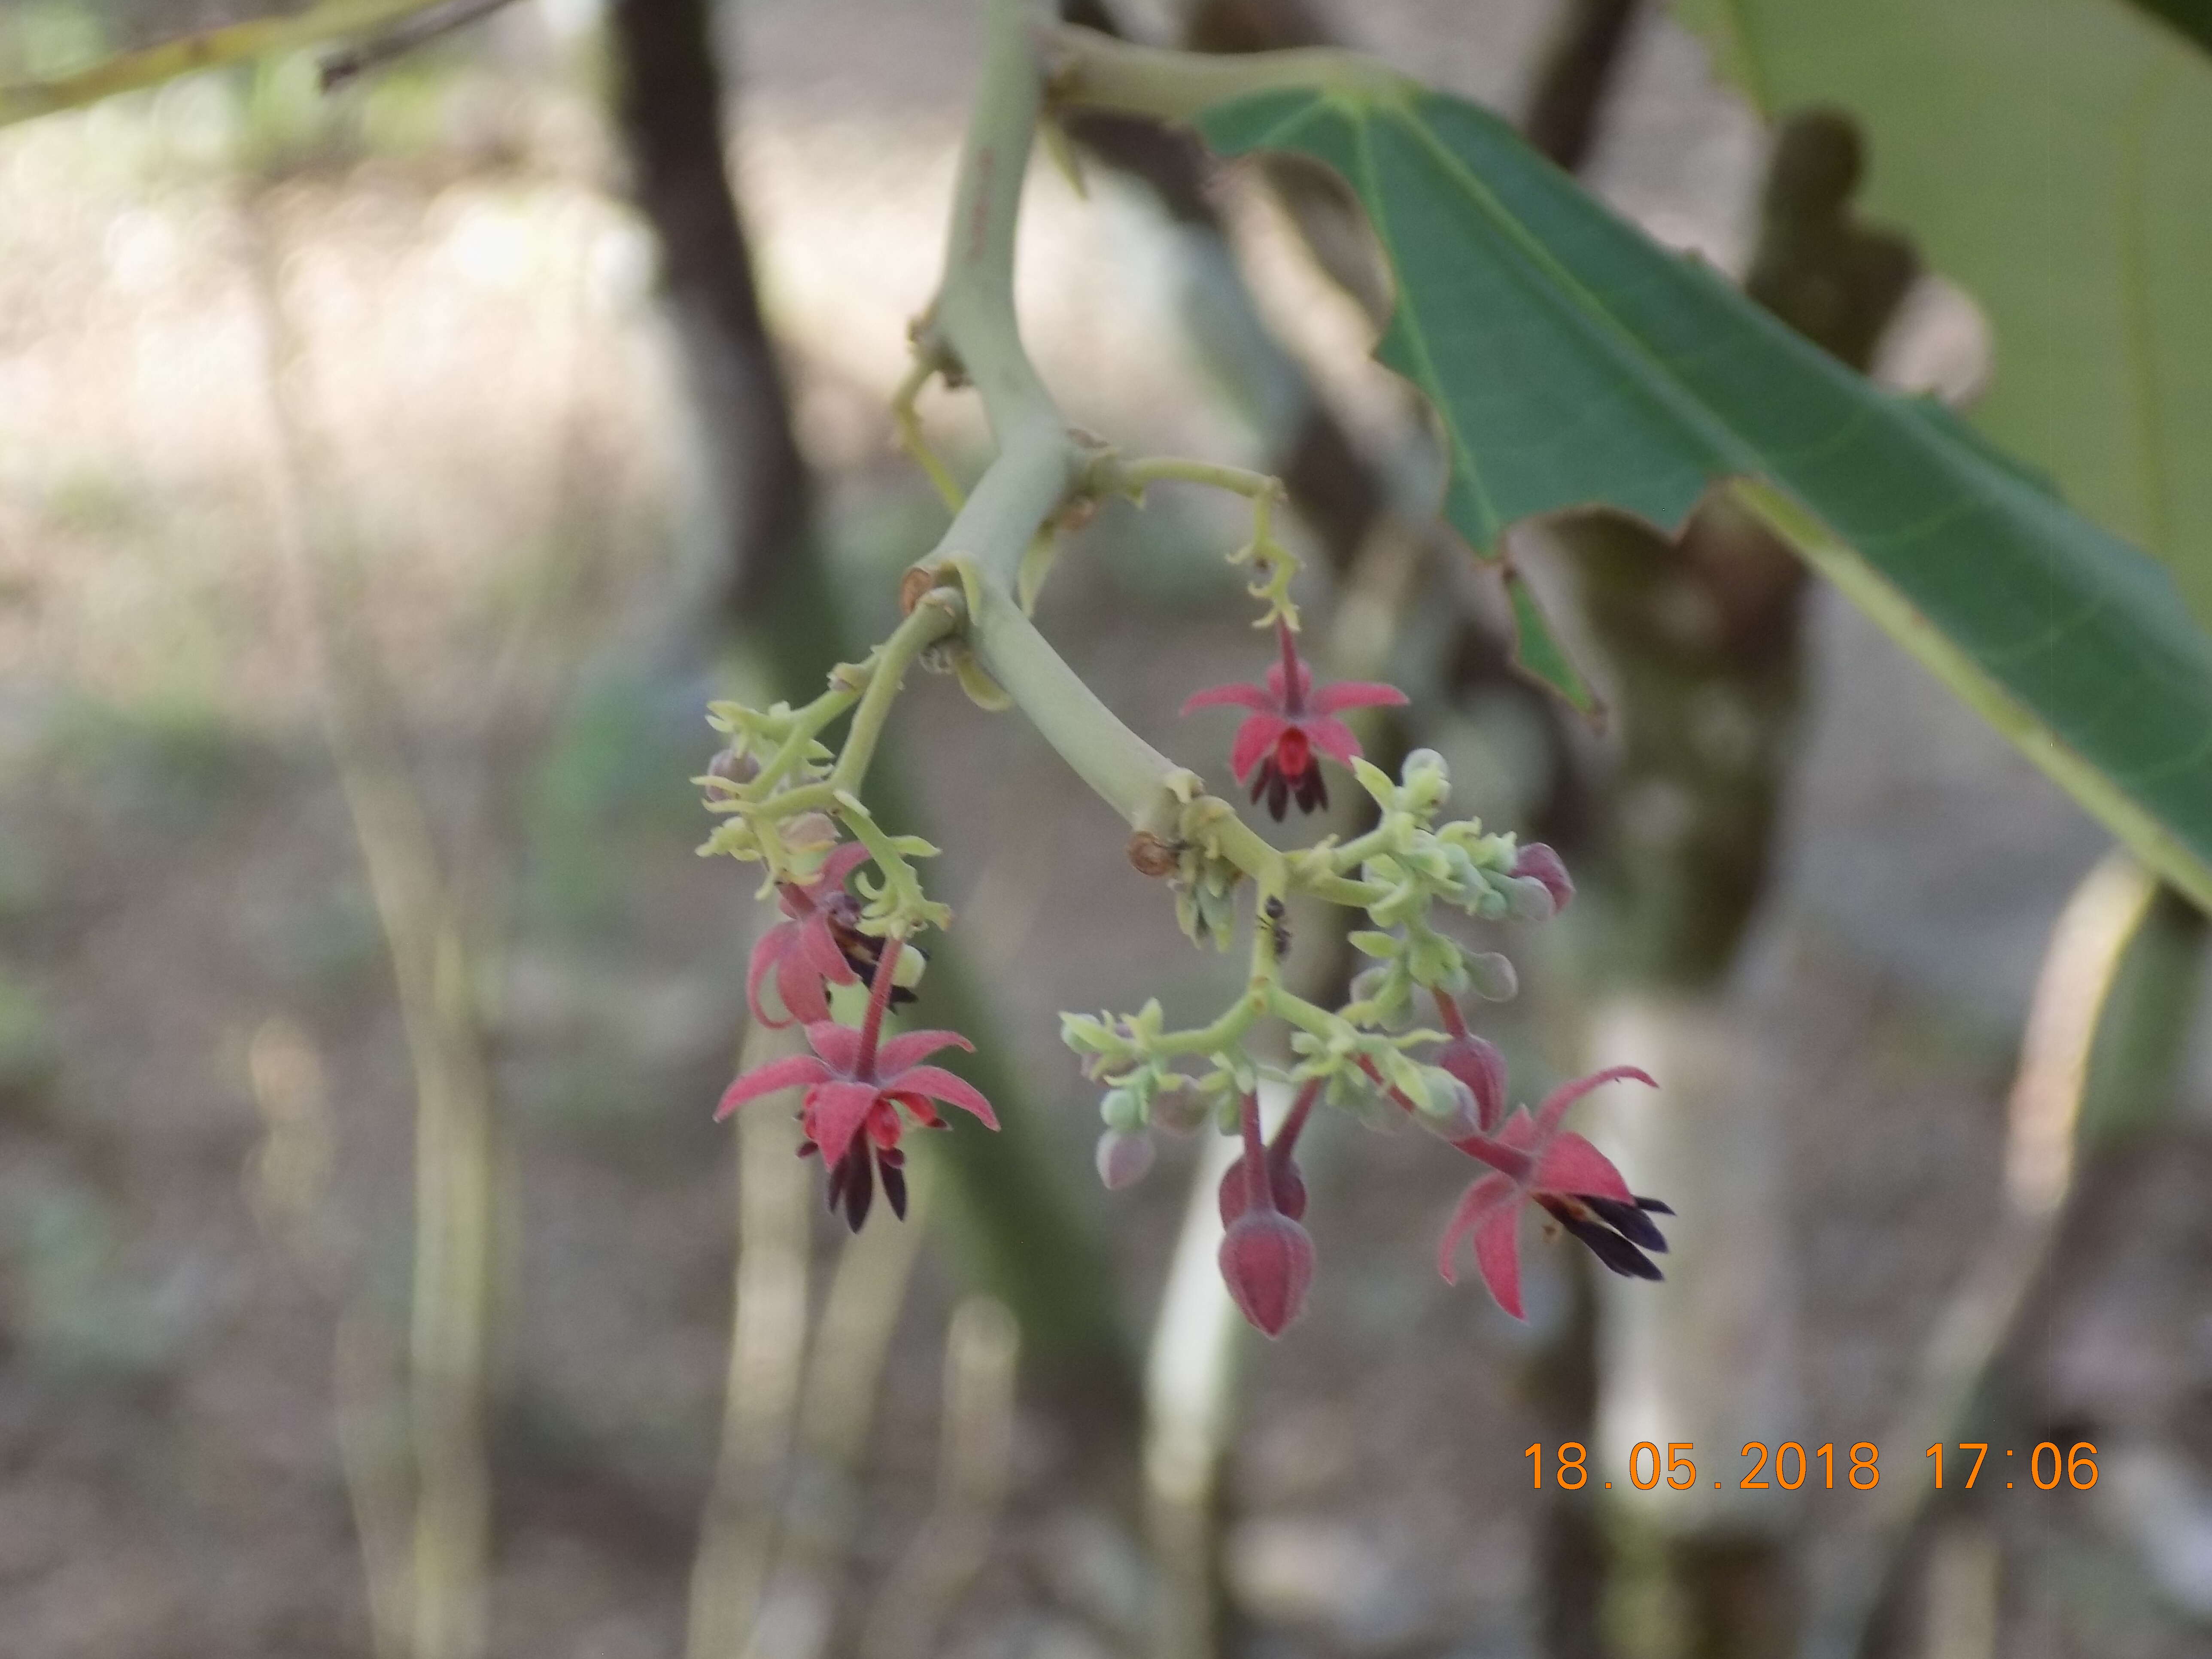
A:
(1027, 1229)
(1704, 636)
(669, 105)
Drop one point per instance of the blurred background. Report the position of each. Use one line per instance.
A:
(387, 479)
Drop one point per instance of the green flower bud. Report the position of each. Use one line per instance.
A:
(1529, 899)
(1490, 977)
(1123, 1109)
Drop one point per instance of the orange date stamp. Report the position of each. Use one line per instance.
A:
(1789, 1466)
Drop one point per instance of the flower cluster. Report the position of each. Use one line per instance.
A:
(784, 797)
(1402, 873)
(851, 902)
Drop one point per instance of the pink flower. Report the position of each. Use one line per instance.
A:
(1474, 1061)
(1267, 1259)
(856, 1090)
(820, 941)
(1289, 721)
(1533, 1158)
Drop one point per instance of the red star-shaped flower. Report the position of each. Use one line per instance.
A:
(1289, 721)
(1532, 1159)
(855, 1091)
(815, 942)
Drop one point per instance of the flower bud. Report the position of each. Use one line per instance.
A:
(1123, 1110)
(1449, 1109)
(1529, 899)
(732, 767)
(1268, 1261)
(1478, 1064)
(1491, 976)
(1179, 1111)
(1123, 1158)
(1426, 780)
(1540, 863)
(809, 831)
(907, 972)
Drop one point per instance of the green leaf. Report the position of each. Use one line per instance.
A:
(2054, 158)
(1536, 650)
(1572, 362)
(2192, 17)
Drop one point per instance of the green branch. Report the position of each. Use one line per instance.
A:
(210, 49)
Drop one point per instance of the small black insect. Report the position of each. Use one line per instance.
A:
(1279, 927)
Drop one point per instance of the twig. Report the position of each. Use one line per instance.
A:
(404, 37)
(981, 1348)
(288, 1183)
(433, 968)
(2089, 943)
(209, 49)
(837, 1407)
(760, 1400)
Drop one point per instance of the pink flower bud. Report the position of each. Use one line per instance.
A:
(1268, 1262)
(1542, 864)
(1123, 1158)
(1479, 1066)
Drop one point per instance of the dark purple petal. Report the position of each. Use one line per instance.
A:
(1615, 1252)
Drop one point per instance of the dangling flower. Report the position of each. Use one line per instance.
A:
(819, 943)
(1284, 1183)
(1474, 1061)
(1532, 1159)
(856, 1089)
(1266, 1258)
(1289, 721)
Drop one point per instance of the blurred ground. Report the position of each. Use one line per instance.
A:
(177, 873)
